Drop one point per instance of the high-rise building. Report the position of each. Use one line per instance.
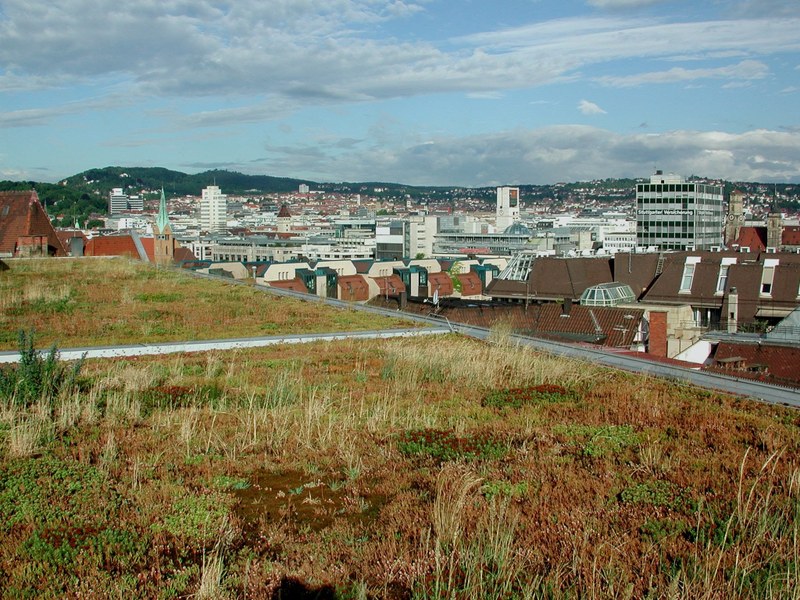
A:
(213, 210)
(117, 201)
(507, 207)
(673, 214)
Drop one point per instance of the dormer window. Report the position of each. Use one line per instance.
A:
(688, 274)
(722, 279)
(768, 276)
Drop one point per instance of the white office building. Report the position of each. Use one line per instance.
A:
(213, 210)
(117, 201)
(673, 214)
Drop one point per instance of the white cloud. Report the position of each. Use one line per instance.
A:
(590, 108)
(747, 70)
(548, 155)
(30, 117)
(485, 95)
(325, 50)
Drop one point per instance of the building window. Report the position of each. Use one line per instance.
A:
(767, 277)
(687, 278)
(722, 280)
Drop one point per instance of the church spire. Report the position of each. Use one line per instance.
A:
(162, 220)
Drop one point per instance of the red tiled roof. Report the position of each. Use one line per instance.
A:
(284, 212)
(111, 245)
(612, 327)
(124, 245)
(390, 286)
(440, 282)
(791, 236)
(754, 238)
(353, 287)
(296, 285)
(470, 284)
(182, 254)
(776, 362)
(22, 215)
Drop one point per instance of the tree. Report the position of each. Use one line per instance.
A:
(454, 270)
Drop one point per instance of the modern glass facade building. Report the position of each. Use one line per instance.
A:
(673, 214)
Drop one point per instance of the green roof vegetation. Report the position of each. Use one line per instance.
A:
(99, 301)
(413, 468)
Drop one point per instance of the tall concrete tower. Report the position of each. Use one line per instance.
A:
(507, 207)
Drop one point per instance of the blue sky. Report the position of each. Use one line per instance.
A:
(426, 92)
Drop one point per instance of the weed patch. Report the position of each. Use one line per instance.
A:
(504, 489)
(48, 490)
(159, 297)
(596, 442)
(445, 446)
(521, 396)
(196, 519)
(657, 530)
(657, 493)
(177, 396)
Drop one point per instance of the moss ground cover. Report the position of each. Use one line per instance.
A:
(376, 469)
(88, 302)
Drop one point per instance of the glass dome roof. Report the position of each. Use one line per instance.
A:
(517, 229)
(607, 294)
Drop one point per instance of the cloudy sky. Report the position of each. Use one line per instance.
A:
(444, 92)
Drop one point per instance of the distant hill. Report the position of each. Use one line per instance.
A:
(175, 182)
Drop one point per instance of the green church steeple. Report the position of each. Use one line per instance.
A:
(162, 220)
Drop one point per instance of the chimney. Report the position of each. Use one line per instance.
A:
(733, 310)
(566, 307)
(657, 342)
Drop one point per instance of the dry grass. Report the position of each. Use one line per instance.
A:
(119, 301)
(277, 470)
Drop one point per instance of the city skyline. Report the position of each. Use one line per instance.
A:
(425, 92)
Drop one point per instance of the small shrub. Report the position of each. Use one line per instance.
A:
(37, 376)
(446, 446)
